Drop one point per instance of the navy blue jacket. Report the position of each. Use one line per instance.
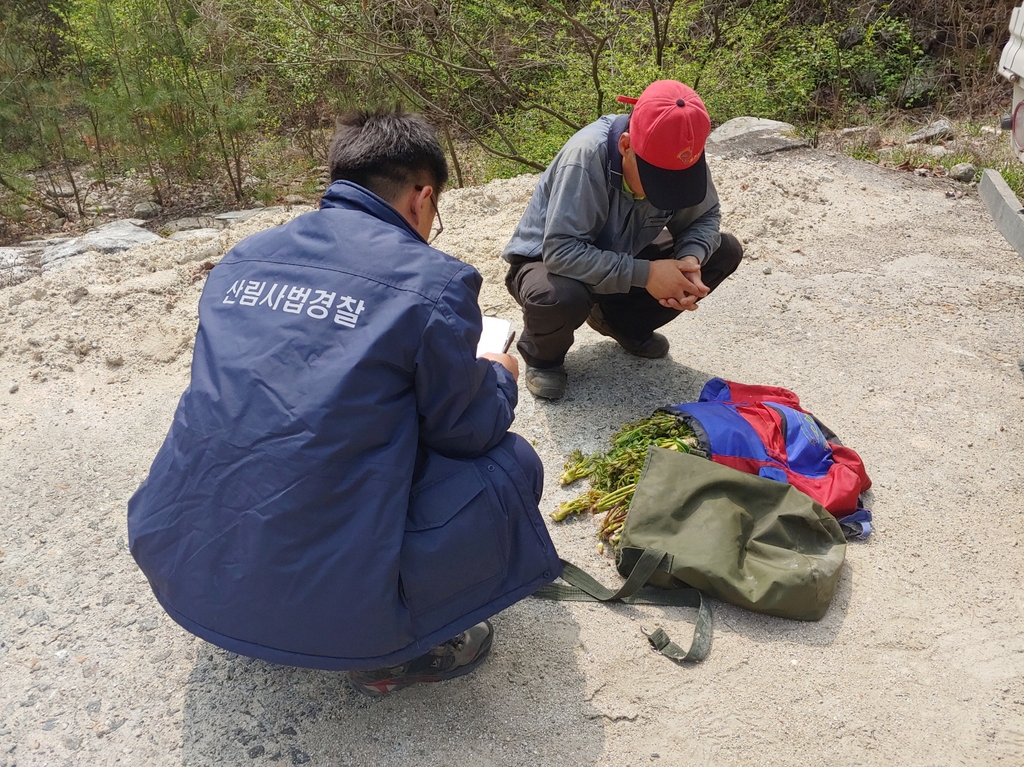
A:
(333, 354)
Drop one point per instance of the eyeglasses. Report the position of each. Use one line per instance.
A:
(438, 222)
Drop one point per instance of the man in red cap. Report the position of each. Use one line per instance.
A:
(622, 233)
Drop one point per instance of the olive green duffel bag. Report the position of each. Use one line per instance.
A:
(738, 537)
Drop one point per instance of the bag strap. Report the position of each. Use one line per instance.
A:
(580, 586)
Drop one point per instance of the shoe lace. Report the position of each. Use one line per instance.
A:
(456, 643)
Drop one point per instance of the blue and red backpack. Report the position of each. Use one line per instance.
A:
(763, 430)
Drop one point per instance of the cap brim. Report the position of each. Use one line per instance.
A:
(674, 189)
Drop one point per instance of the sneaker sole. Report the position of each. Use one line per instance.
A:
(372, 692)
(545, 393)
(626, 346)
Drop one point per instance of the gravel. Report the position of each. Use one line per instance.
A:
(892, 309)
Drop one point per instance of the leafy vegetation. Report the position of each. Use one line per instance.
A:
(614, 474)
(179, 90)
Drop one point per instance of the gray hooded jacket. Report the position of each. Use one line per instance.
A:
(584, 224)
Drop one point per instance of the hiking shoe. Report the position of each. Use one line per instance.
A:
(548, 383)
(456, 657)
(653, 347)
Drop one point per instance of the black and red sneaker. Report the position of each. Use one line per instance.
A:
(456, 657)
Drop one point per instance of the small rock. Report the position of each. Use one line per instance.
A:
(37, 618)
(146, 209)
(935, 131)
(59, 190)
(76, 295)
(933, 150)
(767, 270)
(256, 751)
(295, 199)
(963, 171)
(114, 360)
(862, 135)
(13, 388)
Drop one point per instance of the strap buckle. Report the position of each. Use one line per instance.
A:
(658, 638)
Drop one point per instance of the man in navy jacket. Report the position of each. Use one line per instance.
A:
(339, 488)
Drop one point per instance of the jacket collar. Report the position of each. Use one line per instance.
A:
(620, 124)
(345, 194)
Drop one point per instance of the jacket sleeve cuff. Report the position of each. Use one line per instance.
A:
(693, 250)
(506, 383)
(641, 271)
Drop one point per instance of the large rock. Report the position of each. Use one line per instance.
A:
(22, 261)
(753, 136)
(110, 238)
(237, 216)
(189, 224)
(18, 264)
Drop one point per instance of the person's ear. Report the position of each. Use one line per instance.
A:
(423, 204)
(418, 209)
(624, 144)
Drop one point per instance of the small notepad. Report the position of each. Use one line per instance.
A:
(496, 337)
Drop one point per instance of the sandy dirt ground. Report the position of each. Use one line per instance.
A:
(887, 301)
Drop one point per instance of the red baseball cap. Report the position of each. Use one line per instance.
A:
(667, 131)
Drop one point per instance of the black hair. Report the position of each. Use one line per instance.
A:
(386, 151)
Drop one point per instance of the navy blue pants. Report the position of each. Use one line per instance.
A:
(474, 540)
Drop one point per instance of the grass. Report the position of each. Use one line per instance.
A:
(979, 143)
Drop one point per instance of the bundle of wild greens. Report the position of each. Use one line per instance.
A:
(614, 474)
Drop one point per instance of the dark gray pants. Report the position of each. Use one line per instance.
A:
(554, 306)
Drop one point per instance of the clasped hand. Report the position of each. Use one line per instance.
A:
(677, 283)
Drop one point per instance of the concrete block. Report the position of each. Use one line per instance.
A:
(1004, 207)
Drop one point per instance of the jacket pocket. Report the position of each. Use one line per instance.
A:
(456, 541)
